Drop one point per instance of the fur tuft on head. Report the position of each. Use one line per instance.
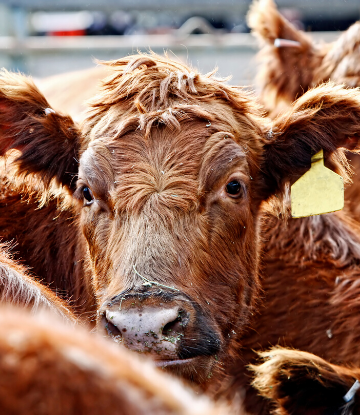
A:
(155, 88)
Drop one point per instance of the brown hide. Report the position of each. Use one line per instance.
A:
(59, 370)
(18, 288)
(310, 278)
(301, 383)
(163, 229)
(47, 240)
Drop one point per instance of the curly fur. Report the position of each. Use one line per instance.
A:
(285, 73)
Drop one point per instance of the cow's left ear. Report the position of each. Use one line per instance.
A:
(300, 383)
(327, 118)
(49, 142)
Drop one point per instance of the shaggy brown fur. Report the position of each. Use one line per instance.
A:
(55, 369)
(302, 383)
(158, 149)
(287, 72)
(26, 119)
(18, 288)
(311, 298)
(47, 240)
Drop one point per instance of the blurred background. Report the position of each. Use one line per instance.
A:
(44, 38)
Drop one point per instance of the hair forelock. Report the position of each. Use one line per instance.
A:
(155, 88)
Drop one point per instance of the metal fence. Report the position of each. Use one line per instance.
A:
(232, 53)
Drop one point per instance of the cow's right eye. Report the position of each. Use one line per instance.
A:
(234, 189)
(88, 196)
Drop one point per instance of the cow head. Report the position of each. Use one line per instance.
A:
(173, 169)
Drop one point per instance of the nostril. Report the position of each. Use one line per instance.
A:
(111, 329)
(175, 326)
(172, 327)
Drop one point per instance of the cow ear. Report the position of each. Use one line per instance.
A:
(327, 118)
(49, 142)
(287, 59)
(299, 383)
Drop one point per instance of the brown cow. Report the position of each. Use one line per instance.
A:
(174, 167)
(18, 288)
(301, 383)
(62, 370)
(47, 238)
(288, 69)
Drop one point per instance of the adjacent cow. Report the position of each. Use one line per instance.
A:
(302, 383)
(291, 62)
(62, 370)
(173, 169)
(18, 288)
(47, 239)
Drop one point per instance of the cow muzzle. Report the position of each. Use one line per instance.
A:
(162, 324)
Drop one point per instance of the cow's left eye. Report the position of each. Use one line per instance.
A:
(88, 196)
(234, 189)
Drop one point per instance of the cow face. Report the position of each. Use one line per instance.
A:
(169, 217)
(174, 167)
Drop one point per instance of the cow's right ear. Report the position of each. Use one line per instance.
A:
(288, 57)
(325, 118)
(301, 383)
(49, 142)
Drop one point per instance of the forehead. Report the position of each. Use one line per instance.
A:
(163, 149)
(165, 167)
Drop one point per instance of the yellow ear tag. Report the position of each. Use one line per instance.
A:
(318, 191)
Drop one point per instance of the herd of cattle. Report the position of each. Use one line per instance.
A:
(160, 219)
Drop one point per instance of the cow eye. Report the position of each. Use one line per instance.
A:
(234, 189)
(88, 196)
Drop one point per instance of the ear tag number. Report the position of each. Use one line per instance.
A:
(318, 191)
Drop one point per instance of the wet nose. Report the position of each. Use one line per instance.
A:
(147, 329)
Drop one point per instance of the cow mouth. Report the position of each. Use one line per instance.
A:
(115, 334)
